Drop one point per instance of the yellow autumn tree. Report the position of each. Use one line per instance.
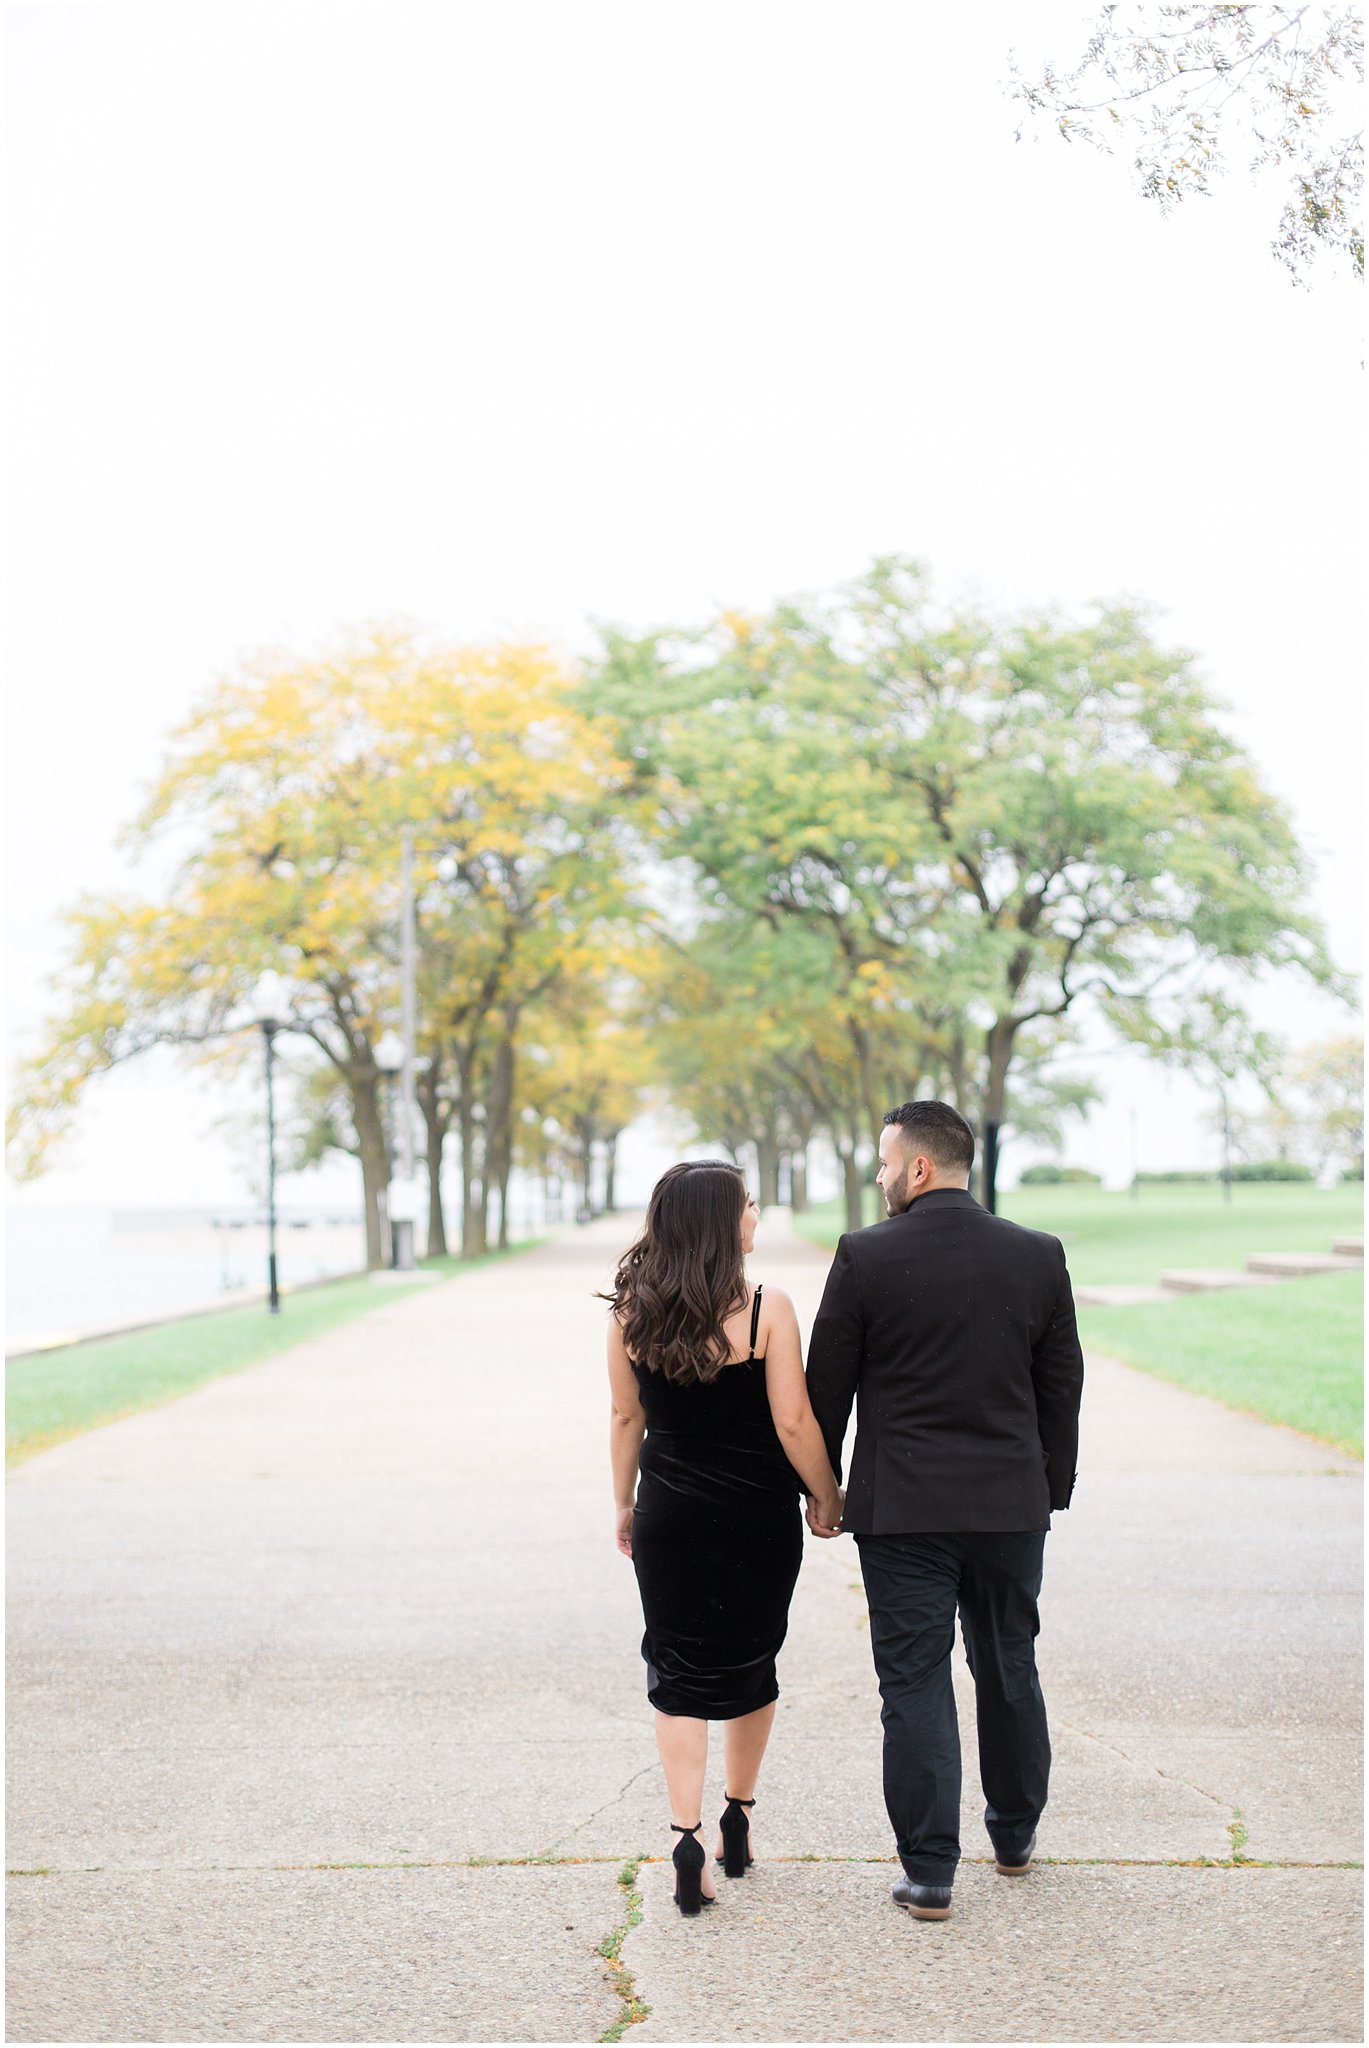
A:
(589, 1070)
(288, 790)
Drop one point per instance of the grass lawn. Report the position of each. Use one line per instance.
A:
(1290, 1354)
(1110, 1237)
(56, 1394)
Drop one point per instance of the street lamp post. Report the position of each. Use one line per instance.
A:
(389, 1057)
(1226, 1143)
(408, 940)
(394, 1055)
(269, 1003)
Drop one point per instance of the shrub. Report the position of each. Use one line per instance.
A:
(1271, 1169)
(1167, 1178)
(1051, 1176)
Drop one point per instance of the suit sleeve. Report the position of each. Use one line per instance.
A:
(1058, 1380)
(835, 1352)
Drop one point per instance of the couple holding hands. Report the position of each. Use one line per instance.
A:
(953, 1333)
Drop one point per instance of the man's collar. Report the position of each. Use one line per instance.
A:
(944, 1198)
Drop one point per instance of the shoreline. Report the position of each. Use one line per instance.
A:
(32, 1344)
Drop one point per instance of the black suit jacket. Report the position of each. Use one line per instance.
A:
(954, 1333)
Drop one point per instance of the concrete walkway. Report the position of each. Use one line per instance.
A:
(327, 1724)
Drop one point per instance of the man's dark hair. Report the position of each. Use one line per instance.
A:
(938, 1130)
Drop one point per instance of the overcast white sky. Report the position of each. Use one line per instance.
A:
(506, 318)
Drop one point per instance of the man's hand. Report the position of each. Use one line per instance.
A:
(622, 1530)
(824, 1516)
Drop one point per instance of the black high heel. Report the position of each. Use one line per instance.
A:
(689, 1860)
(735, 1829)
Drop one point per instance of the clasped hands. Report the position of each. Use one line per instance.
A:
(824, 1516)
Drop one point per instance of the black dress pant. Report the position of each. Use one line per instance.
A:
(914, 1584)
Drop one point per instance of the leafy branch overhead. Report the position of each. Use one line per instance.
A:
(1195, 92)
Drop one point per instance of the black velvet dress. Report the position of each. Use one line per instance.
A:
(717, 1540)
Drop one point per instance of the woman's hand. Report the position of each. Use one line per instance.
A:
(622, 1530)
(824, 1514)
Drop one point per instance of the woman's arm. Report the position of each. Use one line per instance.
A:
(792, 1412)
(627, 1427)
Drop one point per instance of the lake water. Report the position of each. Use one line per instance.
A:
(78, 1269)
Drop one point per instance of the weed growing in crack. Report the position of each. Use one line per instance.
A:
(610, 1948)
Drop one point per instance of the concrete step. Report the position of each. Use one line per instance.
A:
(1298, 1265)
(1117, 1296)
(1348, 1247)
(1209, 1279)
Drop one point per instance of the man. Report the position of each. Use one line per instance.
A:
(954, 1333)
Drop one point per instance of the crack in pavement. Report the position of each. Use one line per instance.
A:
(568, 1834)
(1172, 1777)
(547, 1861)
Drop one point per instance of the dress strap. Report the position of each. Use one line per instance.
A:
(755, 1324)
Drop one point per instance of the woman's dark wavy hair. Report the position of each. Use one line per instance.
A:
(677, 1285)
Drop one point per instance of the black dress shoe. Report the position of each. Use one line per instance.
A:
(1016, 1869)
(923, 1901)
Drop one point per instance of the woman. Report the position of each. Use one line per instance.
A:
(711, 1374)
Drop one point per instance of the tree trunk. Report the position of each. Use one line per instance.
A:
(958, 1074)
(852, 1185)
(499, 1131)
(472, 1162)
(869, 1094)
(998, 1044)
(436, 1120)
(611, 1174)
(768, 1175)
(505, 1177)
(584, 1131)
(1226, 1145)
(437, 1222)
(473, 1245)
(798, 1180)
(375, 1165)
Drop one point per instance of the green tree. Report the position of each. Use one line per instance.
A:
(977, 826)
(1216, 1042)
(1330, 1077)
(1107, 840)
(1187, 88)
(1039, 1104)
(728, 1040)
(754, 743)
